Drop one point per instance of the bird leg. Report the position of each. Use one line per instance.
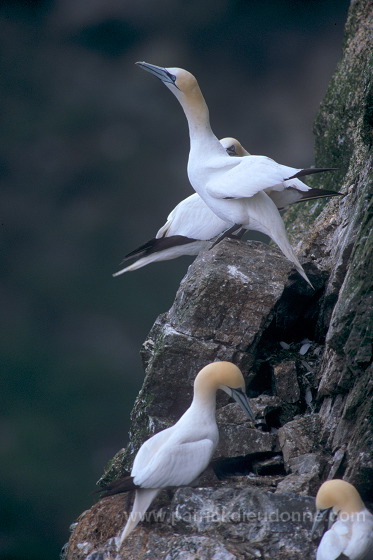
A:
(231, 234)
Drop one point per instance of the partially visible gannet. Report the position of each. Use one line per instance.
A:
(191, 225)
(233, 188)
(352, 533)
(188, 230)
(178, 455)
(290, 193)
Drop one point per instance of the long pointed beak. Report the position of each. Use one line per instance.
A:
(239, 396)
(320, 516)
(161, 73)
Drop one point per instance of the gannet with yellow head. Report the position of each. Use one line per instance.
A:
(352, 533)
(191, 226)
(189, 229)
(177, 455)
(233, 188)
(291, 191)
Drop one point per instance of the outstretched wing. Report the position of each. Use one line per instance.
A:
(252, 175)
(258, 173)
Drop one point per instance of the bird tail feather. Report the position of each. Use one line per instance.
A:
(143, 499)
(283, 243)
(266, 218)
(138, 264)
(163, 248)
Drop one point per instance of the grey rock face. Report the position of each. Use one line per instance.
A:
(286, 381)
(300, 436)
(206, 523)
(306, 357)
(220, 312)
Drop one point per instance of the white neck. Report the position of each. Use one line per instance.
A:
(206, 402)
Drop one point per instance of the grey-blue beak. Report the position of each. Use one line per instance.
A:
(161, 73)
(239, 396)
(320, 516)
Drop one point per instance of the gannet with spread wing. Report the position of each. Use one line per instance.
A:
(191, 225)
(233, 188)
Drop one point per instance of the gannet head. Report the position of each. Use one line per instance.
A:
(233, 147)
(225, 376)
(173, 78)
(339, 495)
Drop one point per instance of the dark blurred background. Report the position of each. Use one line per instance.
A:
(93, 157)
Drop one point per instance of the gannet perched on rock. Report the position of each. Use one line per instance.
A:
(178, 455)
(233, 188)
(192, 225)
(188, 230)
(352, 534)
(292, 192)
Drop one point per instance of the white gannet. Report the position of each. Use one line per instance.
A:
(177, 455)
(188, 230)
(191, 225)
(233, 188)
(292, 192)
(352, 533)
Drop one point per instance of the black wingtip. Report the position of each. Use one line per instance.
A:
(156, 245)
(143, 250)
(311, 171)
(119, 486)
(313, 194)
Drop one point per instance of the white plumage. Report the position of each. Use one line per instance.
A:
(178, 455)
(188, 230)
(233, 188)
(191, 225)
(290, 191)
(352, 533)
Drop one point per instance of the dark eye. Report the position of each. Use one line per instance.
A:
(231, 150)
(172, 77)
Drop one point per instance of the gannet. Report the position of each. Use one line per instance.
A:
(177, 455)
(188, 230)
(191, 225)
(233, 188)
(352, 533)
(291, 192)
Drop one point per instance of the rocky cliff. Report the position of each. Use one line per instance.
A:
(306, 356)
